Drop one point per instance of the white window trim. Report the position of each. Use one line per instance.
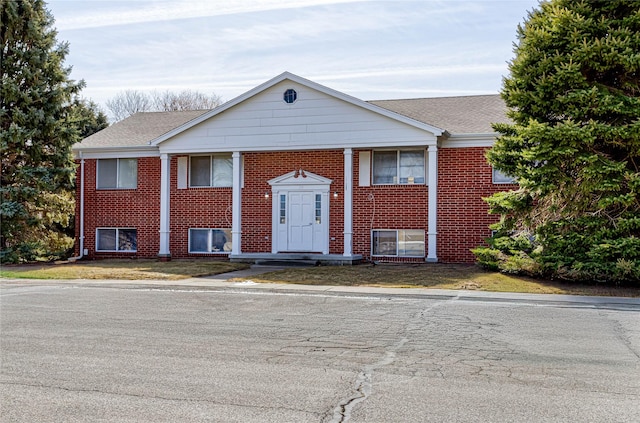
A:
(117, 229)
(211, 175)
(117, 159)
(493, 178)
(209, 240)
(397, 255)
(398, 150)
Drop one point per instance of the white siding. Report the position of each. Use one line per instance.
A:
(315, 120)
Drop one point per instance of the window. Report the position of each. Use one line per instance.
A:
(283, 209)
(117, 173)
(116, 239)
(290, 96)
(318, 209)
(211, 171)
(209, 240)
(502, 178)
(398, 167)
(398, 243)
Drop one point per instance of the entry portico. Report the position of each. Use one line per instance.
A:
(318, 119)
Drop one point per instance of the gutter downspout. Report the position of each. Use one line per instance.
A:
(81, 237)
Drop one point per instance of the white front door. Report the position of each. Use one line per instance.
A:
(301, 221)
(300, 202)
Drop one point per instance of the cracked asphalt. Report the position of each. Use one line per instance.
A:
(228, 353)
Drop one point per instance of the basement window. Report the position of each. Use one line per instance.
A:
(210, 241)
(117, 240)
(397, 243)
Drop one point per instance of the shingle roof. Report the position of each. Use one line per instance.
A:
(458, 115)
(138, 129)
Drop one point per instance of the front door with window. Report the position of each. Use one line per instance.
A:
(300, 213)
(301, 221)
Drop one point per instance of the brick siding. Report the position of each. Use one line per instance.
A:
(464, 178)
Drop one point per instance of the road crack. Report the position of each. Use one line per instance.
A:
(363, 384)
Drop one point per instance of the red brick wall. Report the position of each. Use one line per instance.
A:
(386, 207)
(256, 210)
(464, 178)
(195, 208)
(117, 208)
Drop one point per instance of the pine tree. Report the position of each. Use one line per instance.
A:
(574, 145)
(36, 133)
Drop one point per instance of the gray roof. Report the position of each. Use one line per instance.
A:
(138, 129)
(457, 115)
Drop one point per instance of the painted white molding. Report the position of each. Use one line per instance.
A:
(348, 202)
(469, 140)
(236, 216)
(432, 211)
(364, 168)
(183, 171)
(164, 206)
(116, 152)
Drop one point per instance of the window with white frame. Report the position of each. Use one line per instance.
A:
(211, 171)
(117, 173)
(502, 178)
(398, 167)
(117, 239)
(397, 242)
(210, 240)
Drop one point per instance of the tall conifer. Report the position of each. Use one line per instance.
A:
(36, 132)
(574, 145)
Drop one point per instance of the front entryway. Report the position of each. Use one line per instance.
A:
(301, 221)
(300, 213)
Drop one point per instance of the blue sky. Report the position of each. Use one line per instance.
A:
(369, 49)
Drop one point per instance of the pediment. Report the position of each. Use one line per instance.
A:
(299, 177)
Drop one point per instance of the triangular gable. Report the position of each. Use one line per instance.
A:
(299, 177)
(431, 131)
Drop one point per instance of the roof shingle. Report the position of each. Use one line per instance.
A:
(457, 115)
(138, 129)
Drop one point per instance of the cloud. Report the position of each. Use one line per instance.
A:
(104, 13)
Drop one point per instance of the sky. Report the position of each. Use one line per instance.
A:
(369, 49)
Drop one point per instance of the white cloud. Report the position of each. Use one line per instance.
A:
(107, 13)
(369, 49)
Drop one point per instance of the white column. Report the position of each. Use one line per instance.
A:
(164, 206)
(348, 202)
(433, 205)
(236, 221)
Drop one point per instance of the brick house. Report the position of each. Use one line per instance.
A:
(292, 169)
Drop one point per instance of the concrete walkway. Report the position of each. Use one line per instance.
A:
(222, 282)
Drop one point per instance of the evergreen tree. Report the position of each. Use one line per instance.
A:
(574, 145)
(37, 130)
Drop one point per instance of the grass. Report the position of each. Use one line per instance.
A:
(121, 269)
(441, 276)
